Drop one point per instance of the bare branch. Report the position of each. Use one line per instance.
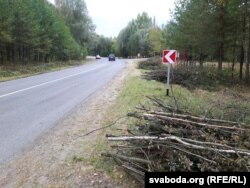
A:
(195, 118)
(177, 139)
(188, 122)
(125, 158)
(103, 127)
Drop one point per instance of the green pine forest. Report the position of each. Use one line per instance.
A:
(34, 30)
(201, 30)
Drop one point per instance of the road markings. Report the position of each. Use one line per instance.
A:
(45, 83)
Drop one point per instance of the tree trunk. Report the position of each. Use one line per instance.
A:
(221, 37)
(248, 57)
(243, 45)
(1, 54)
(241, 61)
(201, 59)
(247, 53)
(13, 52)
(233, 62)
(8, 52)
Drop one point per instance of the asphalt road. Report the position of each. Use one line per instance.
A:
(31, 106)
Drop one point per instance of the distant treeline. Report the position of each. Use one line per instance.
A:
(37, 31)
(212, 29)
(201, 30)
(140, 37)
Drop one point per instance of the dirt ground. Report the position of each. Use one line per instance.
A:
(54, 159)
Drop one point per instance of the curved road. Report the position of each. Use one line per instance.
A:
(31, 106)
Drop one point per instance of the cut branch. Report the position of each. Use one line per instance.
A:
(177, 139)
(103, 127)
(195, 118)
(188, 122)
(125, 158)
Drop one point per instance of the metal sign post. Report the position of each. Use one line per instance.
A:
(169, 57)
(168, 79)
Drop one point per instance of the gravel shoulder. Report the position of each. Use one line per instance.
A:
(51, 160)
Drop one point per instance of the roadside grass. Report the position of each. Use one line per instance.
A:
(13, 71)
(230, 103)
(133, 93)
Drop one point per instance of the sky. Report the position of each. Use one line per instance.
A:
(111, 16)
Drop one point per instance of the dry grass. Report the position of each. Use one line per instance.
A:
(13, 71)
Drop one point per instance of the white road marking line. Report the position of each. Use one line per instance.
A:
(45, 83)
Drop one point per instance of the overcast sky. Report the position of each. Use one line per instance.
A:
(110, 16)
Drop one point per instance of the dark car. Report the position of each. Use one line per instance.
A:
(111, 57)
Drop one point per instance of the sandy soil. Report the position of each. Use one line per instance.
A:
(49, 162)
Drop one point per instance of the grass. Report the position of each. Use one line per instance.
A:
(13, 71)
(224, 103)
(133, 92)
(192, 77)
(208, 93)
(77, 158)
(231, 103)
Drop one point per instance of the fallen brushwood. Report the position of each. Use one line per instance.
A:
(195, 118)
(125, 158)
(172, 119)
(170, 139)
(184, 142)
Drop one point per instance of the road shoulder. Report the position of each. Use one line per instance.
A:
(54, 160)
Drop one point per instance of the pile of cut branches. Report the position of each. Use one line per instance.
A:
(206, 77)
(150, 64)
(173, 140)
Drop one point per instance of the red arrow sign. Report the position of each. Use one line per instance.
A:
(169, 56)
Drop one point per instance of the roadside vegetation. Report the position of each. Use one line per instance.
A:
(142, 96)
(15, 71)
(211, 83)
(201, 31)
(37, 32)
(36, 36)
(222, 95)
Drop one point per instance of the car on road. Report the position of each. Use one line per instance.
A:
(98, 56)
(111, 57)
